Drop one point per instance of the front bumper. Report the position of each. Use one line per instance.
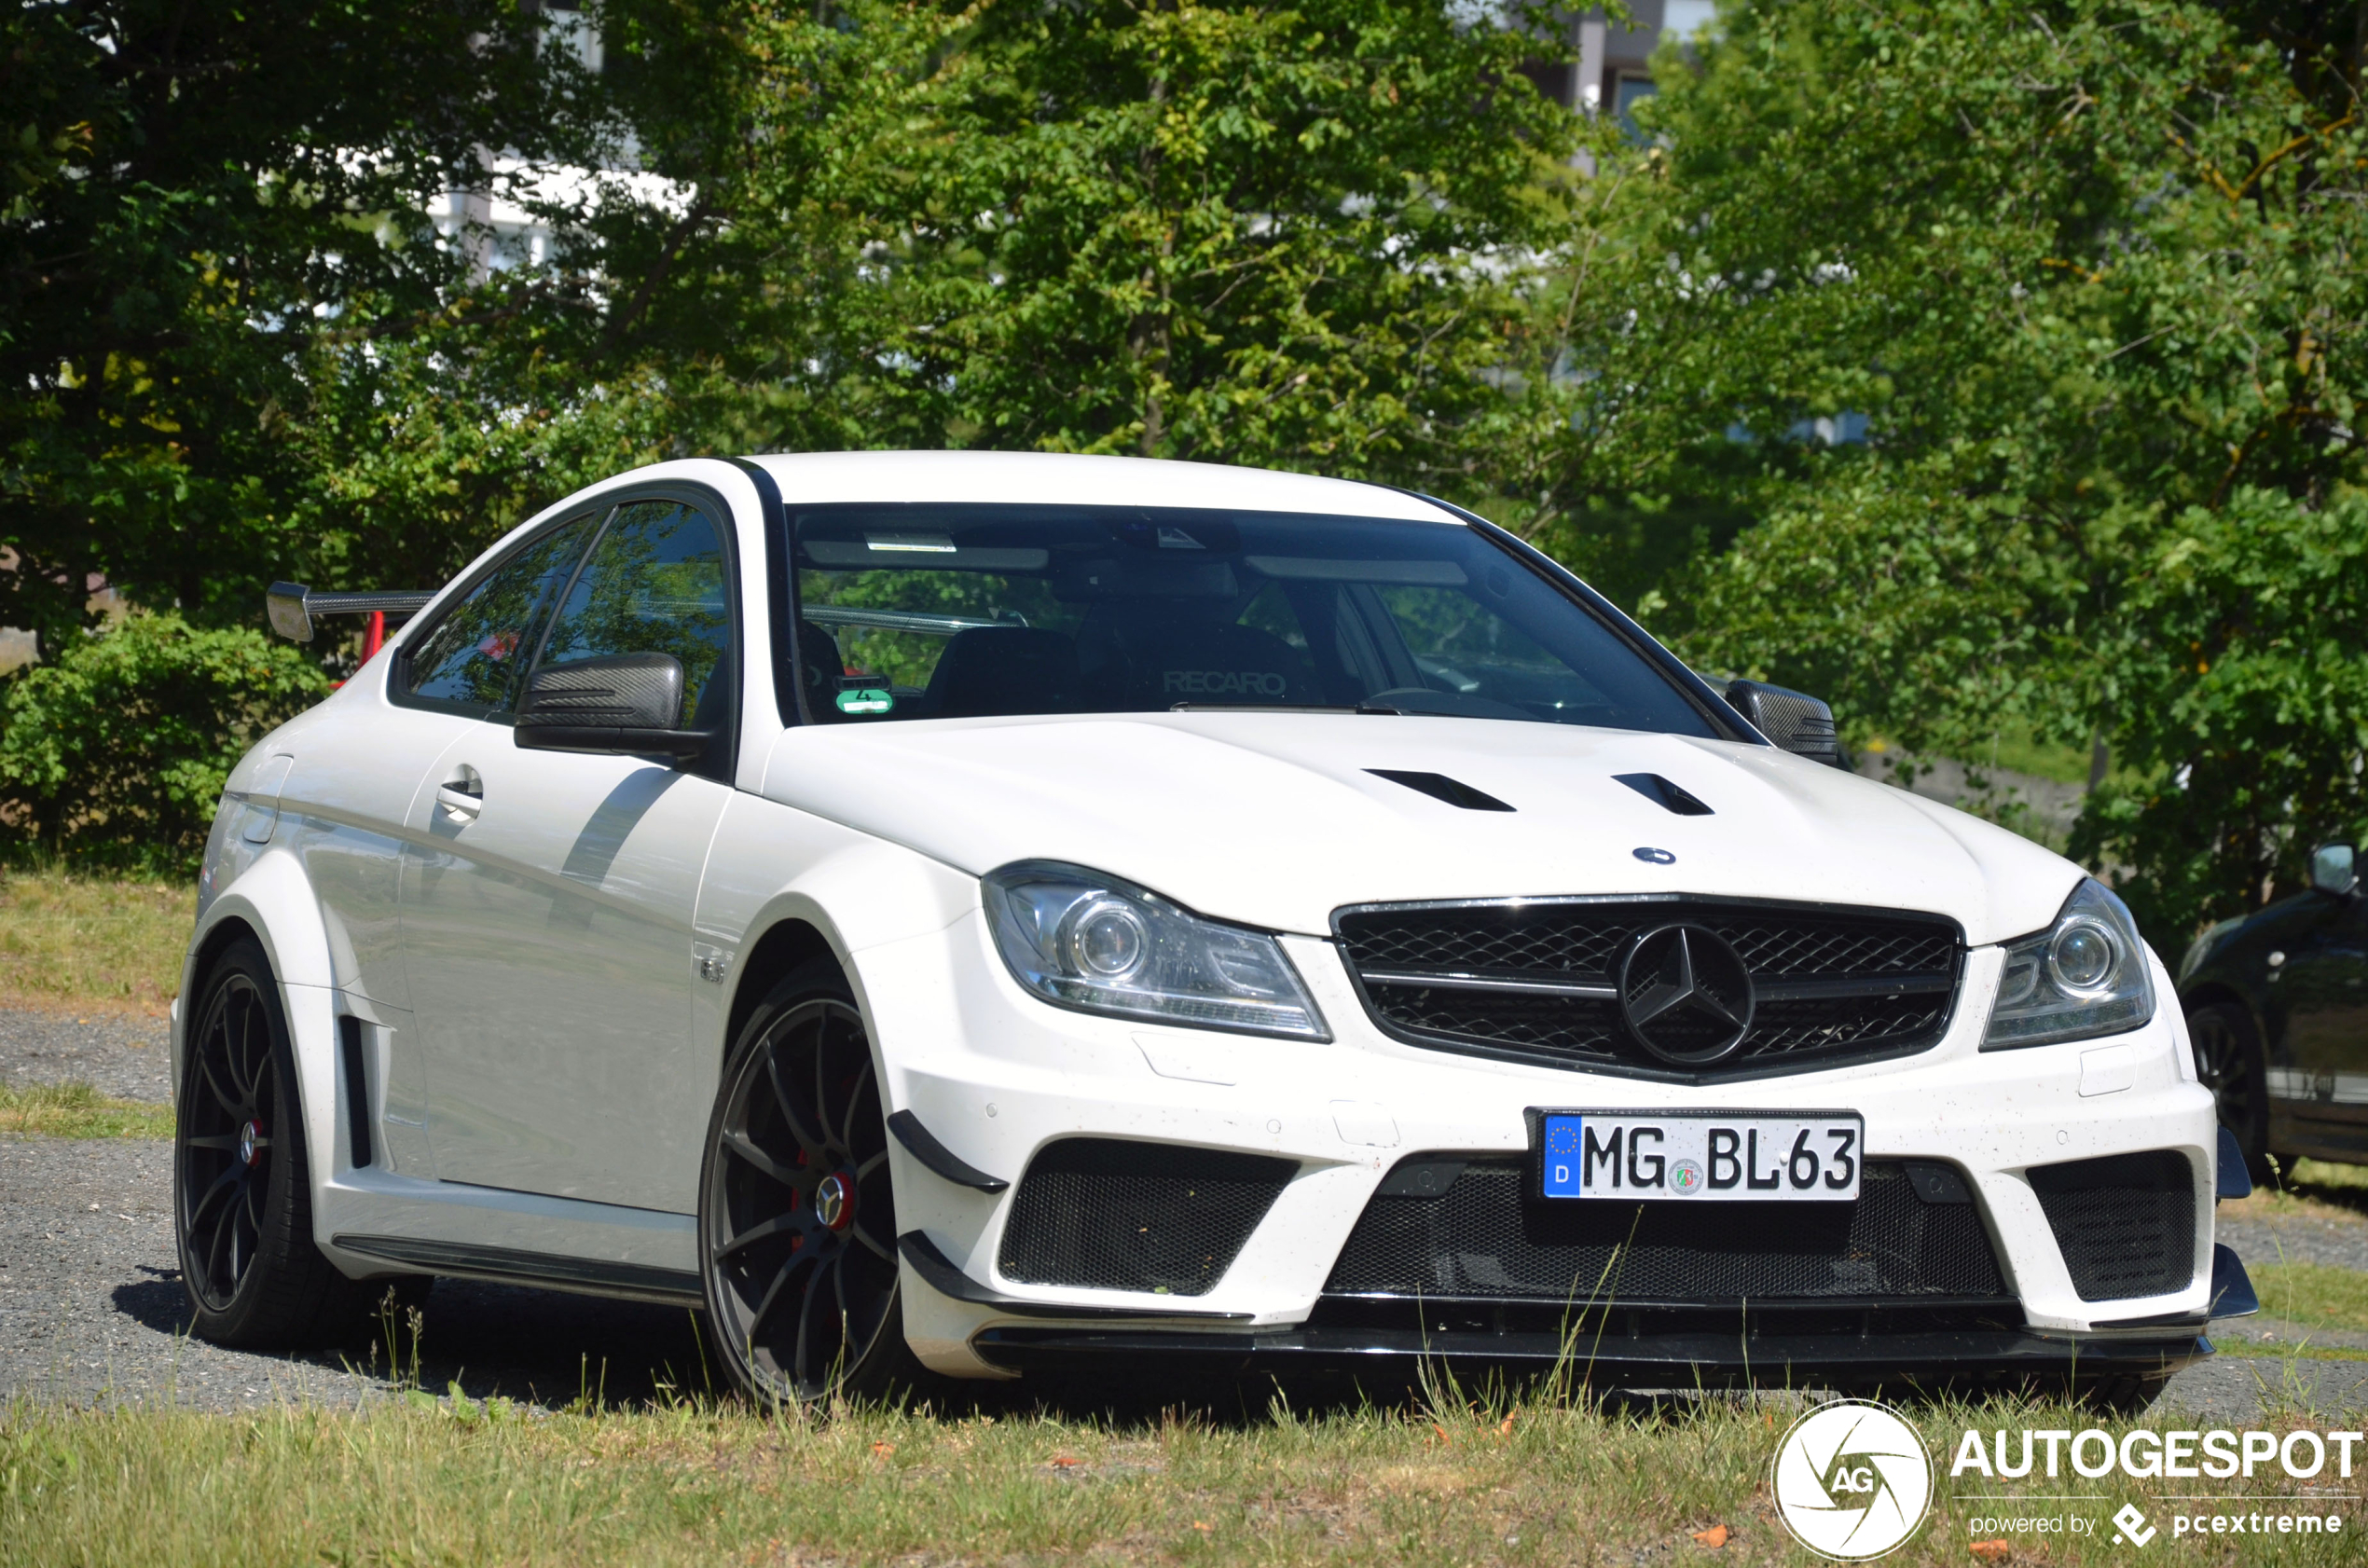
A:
(995, 1075)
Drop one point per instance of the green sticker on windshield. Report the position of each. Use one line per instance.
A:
(871, 699)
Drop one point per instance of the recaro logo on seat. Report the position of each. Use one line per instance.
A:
(1225, 682)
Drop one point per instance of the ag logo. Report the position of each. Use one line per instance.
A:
(1851, 1480)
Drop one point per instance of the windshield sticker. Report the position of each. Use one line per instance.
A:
(911, 543)
(869, 699)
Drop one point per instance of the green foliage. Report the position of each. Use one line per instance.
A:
(2089, 270)
(117, 750)
(201, 202)
(1230, 232)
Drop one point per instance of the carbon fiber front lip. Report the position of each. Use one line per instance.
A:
(1660, 1360)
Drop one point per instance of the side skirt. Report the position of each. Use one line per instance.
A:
(631, 1282)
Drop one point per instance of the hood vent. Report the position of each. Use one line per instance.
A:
(1661, 793)
(1454, 791)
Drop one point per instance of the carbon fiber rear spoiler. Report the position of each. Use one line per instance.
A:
(292, 606)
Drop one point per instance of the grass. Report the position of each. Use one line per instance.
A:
(419, 1481)
(87, 945)
(76, 1110)
(2313, 1294)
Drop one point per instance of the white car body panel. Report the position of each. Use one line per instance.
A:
(599, 938)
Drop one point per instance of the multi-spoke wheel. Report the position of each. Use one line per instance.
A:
(242, 1203)
(2228, 1060)
(796, 1218)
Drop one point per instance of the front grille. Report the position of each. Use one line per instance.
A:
(2126, 1224)
(1538, 979)
(1483, 1238)
(1119, 1215)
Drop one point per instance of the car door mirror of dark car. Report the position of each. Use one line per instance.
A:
(1794, 721)
(613, 705)
(2333, 870)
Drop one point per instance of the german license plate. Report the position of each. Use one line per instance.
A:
(1768, 1157)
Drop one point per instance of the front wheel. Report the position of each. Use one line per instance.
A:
(797, 1221)
(243, 1198)
(2228, 1062)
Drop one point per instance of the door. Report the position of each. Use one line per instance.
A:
(547, 902)
(2324, 986)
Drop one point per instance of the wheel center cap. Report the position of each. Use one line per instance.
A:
(250, 1136)
(835, 1202)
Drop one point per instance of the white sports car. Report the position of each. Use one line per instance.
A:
(939, 912)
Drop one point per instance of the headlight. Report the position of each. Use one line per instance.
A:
(2084, 976)
(1082, 939)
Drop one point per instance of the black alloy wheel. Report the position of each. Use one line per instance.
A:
(796, 1218)
(243, 1202)
(2228, 1062)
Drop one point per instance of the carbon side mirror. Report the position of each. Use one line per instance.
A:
(1794, 721)
(614, 704)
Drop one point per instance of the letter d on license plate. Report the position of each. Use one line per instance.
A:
(1789, 1156)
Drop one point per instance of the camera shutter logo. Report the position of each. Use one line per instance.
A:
(1851, 1480)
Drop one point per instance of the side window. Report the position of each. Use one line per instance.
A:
(472, 655)
(656, 584)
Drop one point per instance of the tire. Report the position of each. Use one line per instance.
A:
(242, 1195)
(2229, 1062)
(797, 1218)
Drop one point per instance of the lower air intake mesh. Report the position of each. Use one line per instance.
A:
(1482, 1238)
(1117, 1215)
(2126, 1224)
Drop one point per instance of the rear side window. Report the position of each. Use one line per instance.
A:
(472, 655)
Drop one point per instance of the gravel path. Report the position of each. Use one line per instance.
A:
(131, 1058)
(91, 1307)
(2298, 1239)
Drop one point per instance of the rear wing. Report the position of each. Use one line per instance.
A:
(292, 606)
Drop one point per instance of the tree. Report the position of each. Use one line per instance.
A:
(2089, 272)
(201, 199)
(1230, 232)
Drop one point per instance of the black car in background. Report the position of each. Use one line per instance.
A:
(2278, 1005)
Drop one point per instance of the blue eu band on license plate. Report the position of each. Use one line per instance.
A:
(1722, 1157)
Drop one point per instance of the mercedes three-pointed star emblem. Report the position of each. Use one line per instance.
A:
(1686, 995)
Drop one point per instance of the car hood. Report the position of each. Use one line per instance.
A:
(1275, 819)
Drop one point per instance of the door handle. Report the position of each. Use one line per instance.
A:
(462, 795)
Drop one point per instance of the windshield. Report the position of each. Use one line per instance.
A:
(947, 612)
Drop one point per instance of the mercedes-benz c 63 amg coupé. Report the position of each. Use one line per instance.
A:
(942, 913)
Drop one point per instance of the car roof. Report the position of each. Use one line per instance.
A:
(1068, 479)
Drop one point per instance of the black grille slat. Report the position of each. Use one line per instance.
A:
(1112, 1214)
(2126, 1224)
(1483, 1238)
(1899, 972)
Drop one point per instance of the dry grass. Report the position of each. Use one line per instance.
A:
(82, 944)
(419, 1481)
(76, 1110)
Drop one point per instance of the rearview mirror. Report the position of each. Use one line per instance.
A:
(1794, 721)
(2332, 870)
(615, 705)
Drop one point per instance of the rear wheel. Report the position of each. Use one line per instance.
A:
(797, 1221)
(242, 1197)
(2228, 1060)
